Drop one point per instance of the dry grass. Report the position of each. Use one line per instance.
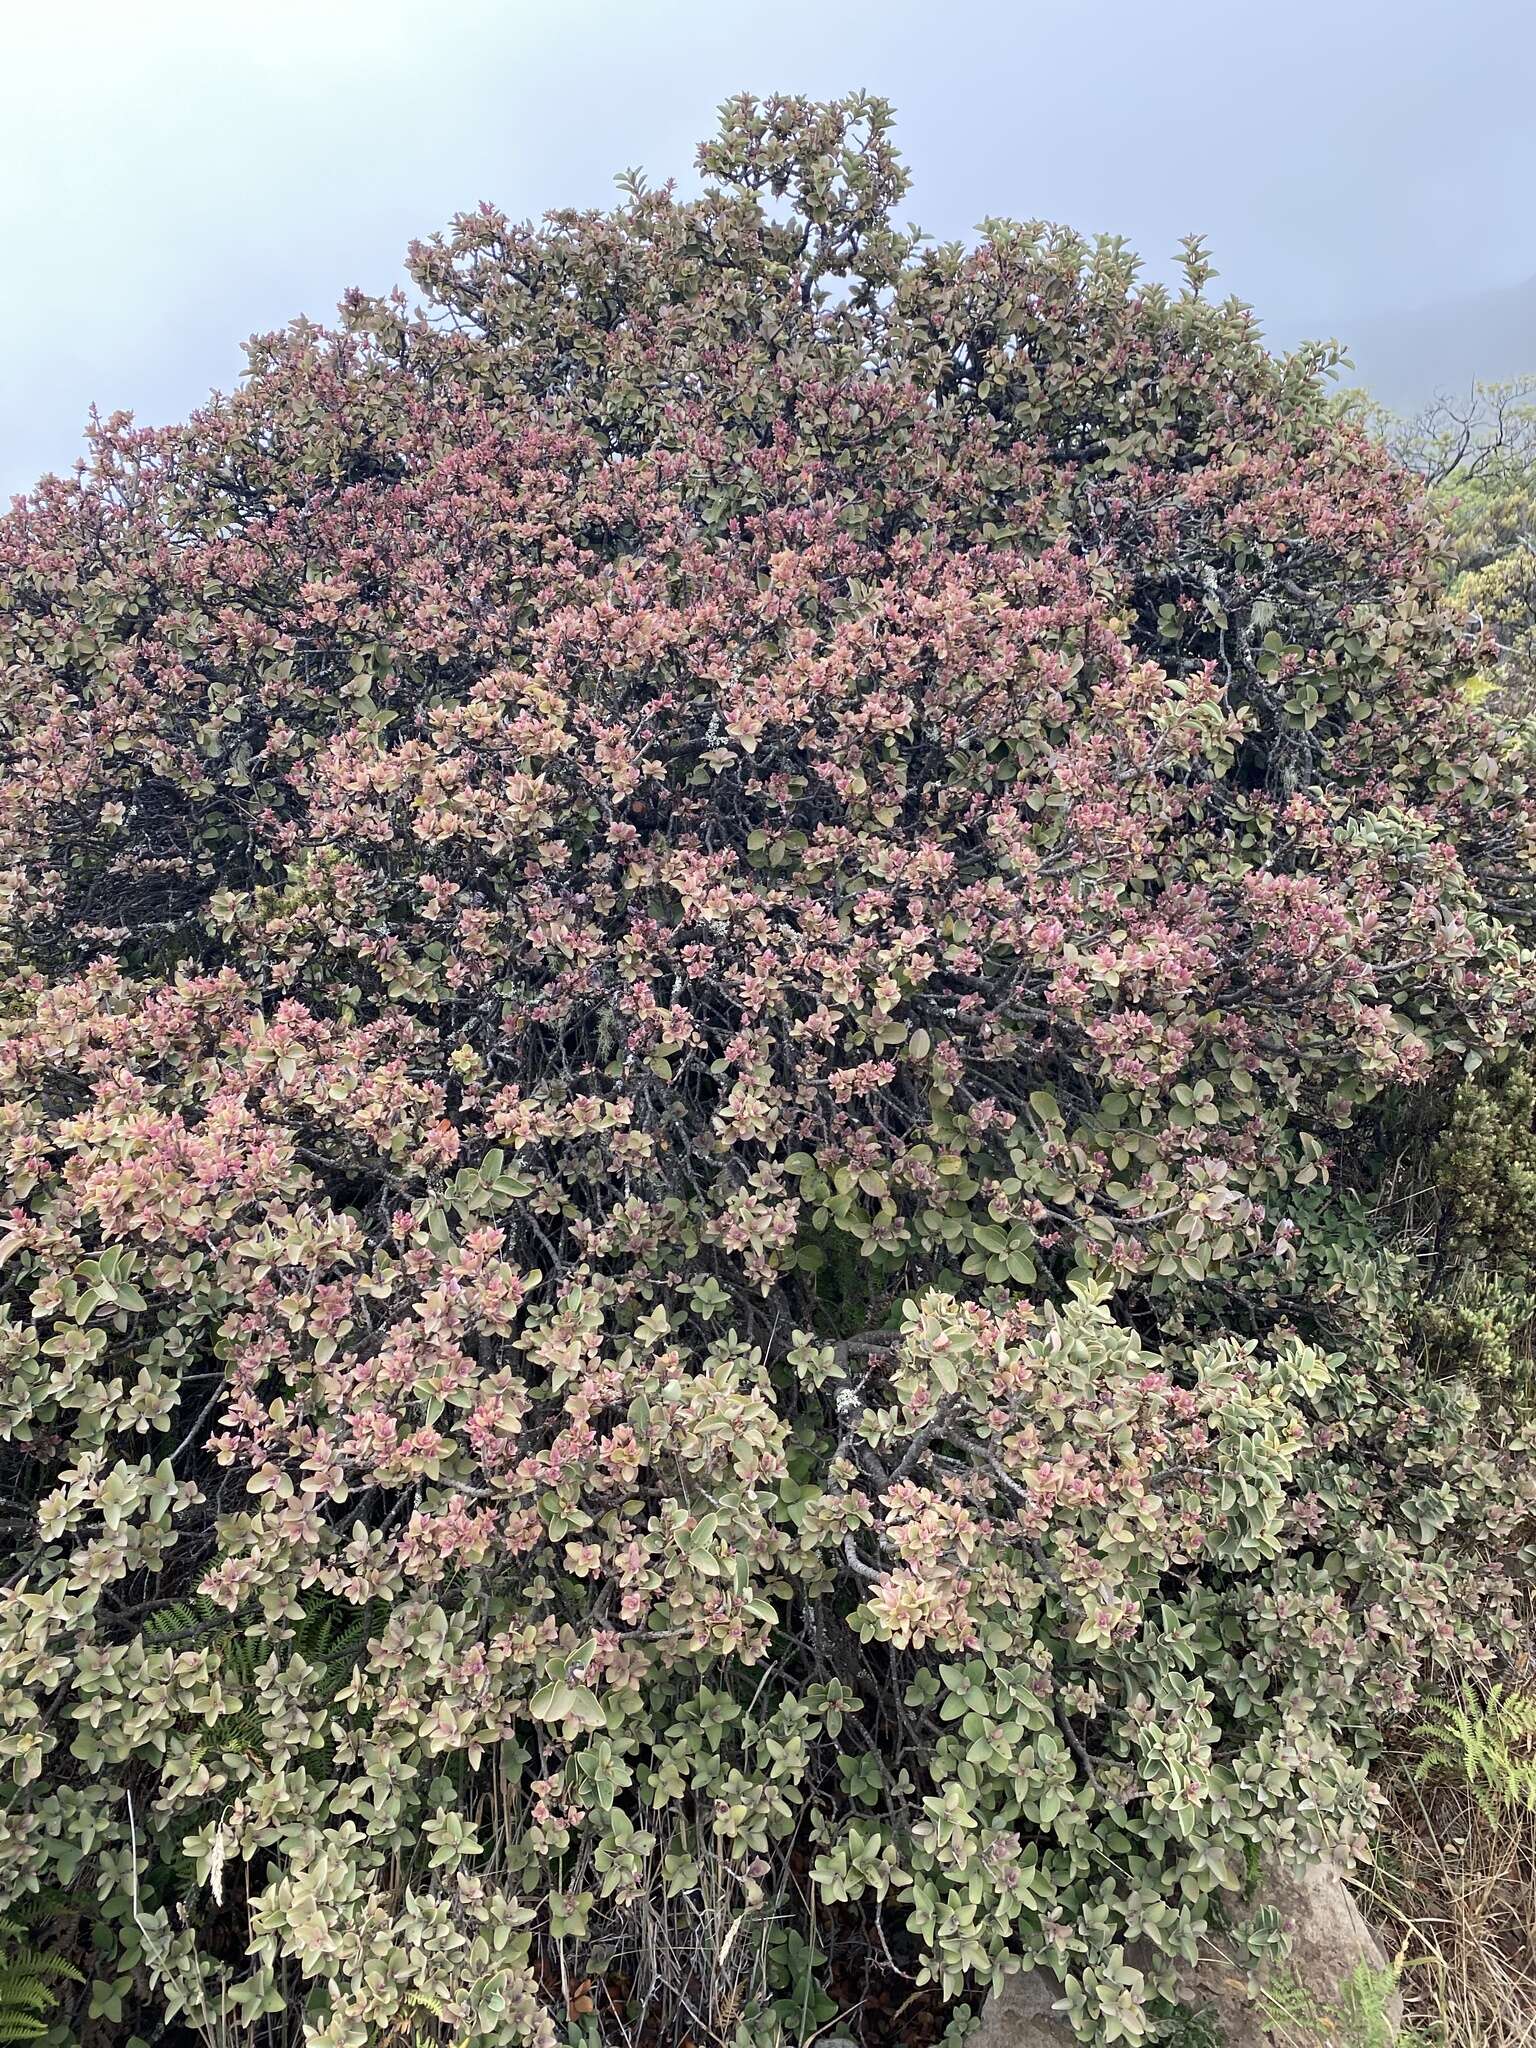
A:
(1455, 1890)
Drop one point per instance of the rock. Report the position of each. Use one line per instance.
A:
(1020, 2016)
(1305, 2002)
(1309, 1998)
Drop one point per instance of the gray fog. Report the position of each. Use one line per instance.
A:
(176, 174)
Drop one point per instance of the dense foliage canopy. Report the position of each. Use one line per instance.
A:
(685, 942)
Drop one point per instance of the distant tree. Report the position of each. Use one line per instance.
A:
(1478, 456)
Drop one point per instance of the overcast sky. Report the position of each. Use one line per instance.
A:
(176, 174)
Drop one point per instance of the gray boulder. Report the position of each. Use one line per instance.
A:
(1020, 2016)
(1314, 1997)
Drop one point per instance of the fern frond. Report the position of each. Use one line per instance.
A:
(1486, 1743)
(28, 1983)
(426, 2002)
(180, 1618)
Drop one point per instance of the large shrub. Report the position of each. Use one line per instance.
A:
(684, 943)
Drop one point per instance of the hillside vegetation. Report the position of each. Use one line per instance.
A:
(770, 1165)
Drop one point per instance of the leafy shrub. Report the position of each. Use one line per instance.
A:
(1467, 1243)
(685, 942)
(1484, 1168)
(1482, 1326)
